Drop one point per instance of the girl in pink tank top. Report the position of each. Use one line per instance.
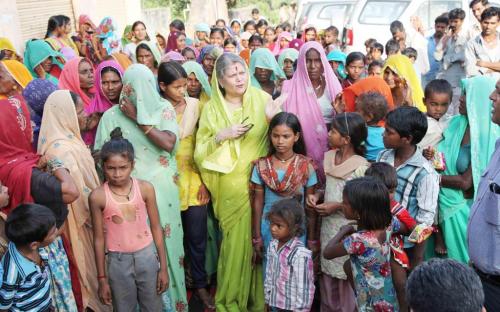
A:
(126, 224)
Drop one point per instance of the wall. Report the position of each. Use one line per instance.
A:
(9, 23)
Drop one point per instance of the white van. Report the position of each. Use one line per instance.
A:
(371, 18)
(324, 13)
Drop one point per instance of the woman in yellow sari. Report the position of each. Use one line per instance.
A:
(405, 85)
(14, 77)
(232, 133)
(8, 49)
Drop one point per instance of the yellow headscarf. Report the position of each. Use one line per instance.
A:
(6, 44)
(18, 71)
(402, 66)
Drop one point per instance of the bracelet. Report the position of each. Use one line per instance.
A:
(101, 276)
(55, 164)
(149, 130)
(313, 242)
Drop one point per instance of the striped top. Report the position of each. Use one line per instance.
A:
(25, 285)
(289, 282)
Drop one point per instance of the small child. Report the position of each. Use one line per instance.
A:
(26, 278)
(376, 52)
(332, 39)
(372, 106)
(368, 45)
(392, 47)
(355, 68)
(126, 208)
(418, 182)
(337, 59)
(289, 282)
(412, 54)
(375, 69)
(366, 201)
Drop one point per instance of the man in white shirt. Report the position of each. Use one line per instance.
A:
(477, 7)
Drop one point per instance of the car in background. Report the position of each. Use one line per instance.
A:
(372, 18)
(324, 13)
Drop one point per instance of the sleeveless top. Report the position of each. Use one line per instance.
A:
(124, 235)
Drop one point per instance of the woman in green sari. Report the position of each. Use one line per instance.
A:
(42, 61)
(468, 144)
(232, 133)
(265, 72)
(149, 123)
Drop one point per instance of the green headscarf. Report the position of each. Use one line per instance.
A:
(139, 86)
(36, 52)
(287, 54)
(191, 67)
(153, 48)
(126, 31)
(263, 58)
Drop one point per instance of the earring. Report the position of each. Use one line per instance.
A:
(14, 87)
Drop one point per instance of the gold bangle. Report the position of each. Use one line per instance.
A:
(149, 130)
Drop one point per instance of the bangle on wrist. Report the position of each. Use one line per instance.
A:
(101, 276)
(54, 164)
(149, 130)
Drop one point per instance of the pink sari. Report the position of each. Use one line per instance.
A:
(302, 101)
(277, 47)
(100, 103)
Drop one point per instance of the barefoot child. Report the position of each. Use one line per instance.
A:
(126, 208)
(289, 282)
(367, 201)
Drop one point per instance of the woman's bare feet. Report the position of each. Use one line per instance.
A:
(439, 244)
(206, 298)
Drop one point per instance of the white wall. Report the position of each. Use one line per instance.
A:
(9, 23)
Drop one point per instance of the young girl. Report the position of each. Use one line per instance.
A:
(285, 172)
(355, 68)
(126, 208)
(289, 282)
(367, 201)
(344, 162)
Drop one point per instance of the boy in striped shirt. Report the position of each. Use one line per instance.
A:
(25, 274)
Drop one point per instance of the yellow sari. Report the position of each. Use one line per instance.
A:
(18, 71)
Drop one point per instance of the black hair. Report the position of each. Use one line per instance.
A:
(117, 145)
(474, 2)
(248, 23)
(108, 69)
(186, 49)
(374, 103)
(369, 42)
(29, 223)
(214, 30)
(438, 86)
(332, 29)
(444, 285)
(74, 97)
(285, 25)
(369, 197)
(375, 64)
(146, 47)
(442, 19)
(168, 72)
(354, 56)
(354, 126)
(256, 37)
(456, 14)
(378, 46)
(392, 47)
(56, 21)
(234, 22)
(178, 24)
(255, 11)
(385, 173)
(396, 26)
(231, 41)
(490, 12)
(261, 23)
(408, 121)
(310, 28)
(410, 52)
(220, 20)
(292, 211)
(292, 122)
(137, 23)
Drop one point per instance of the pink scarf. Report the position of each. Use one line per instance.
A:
(302, 101)
(70, 79)
(277, 47)
(100, 103)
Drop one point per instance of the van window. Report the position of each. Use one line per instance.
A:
(381, 12)
(429, 10)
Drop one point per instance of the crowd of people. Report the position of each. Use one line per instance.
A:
(261, 167)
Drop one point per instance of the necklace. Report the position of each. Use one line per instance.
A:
(284, 160)
(122, 195)
(320, 84)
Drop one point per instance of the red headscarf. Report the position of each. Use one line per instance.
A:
(172, 41)
(376, 84)
(70, 79)
(17, 158)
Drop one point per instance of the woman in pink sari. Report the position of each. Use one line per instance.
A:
(309, 95)
(108, 84)
(282, 42)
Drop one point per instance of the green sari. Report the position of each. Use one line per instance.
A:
(38, 51)
(263, 58)
(453, 207)
(225, 169)
(153, 165)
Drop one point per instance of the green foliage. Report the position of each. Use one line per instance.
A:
(177, 7)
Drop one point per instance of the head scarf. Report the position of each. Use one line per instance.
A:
(70, 79)
(339, 57)
(85, 19)
(263, 58)
(36, 52)
(296, 44)
(154, 50)
(375, 84)
(100, 102)
(35, 94)
(173, 56)
(209, 50)
(108, 32)
(402, 66)
(18, 71)
(277, 47)
(126, 31)
(195, 51)
(202, 27)
(301, 101)
(17, 158)
(192, 67)
(122, 59)
(6, 44)
(230, 30)
(172, 41)
(287, 54)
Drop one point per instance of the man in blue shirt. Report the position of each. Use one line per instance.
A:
(440, 28)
